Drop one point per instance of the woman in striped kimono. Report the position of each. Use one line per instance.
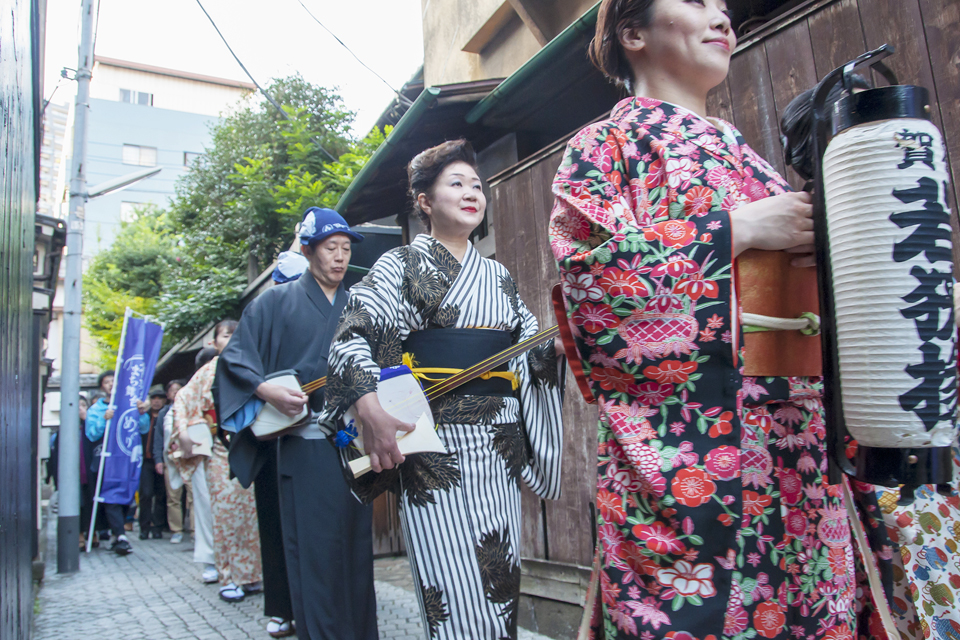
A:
(447, 307)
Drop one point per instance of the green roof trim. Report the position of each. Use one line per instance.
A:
(522, 77)
(410, 119)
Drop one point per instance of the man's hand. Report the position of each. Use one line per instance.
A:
(142, 406)
(287, 402)
(380, 433)
(158, 468)
(108, 414)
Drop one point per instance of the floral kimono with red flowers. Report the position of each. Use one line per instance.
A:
(715, 518)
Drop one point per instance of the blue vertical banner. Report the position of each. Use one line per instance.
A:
(135, 366)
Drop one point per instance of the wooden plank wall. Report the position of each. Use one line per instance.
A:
(559, 530)
(764, 77)
(387, 534)
(18, 199)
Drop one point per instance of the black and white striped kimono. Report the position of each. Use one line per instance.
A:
(461, 510)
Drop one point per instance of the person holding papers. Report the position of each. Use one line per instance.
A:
(437, 307)
(316, 538)
(236, 541)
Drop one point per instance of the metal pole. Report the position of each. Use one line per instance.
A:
(68, 478)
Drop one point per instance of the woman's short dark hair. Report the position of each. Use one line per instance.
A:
(427, 166)
(224, 325)
(614, 19)
(103, 375)
(179, 381)
(204, 356)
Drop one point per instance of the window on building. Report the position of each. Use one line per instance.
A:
(136, 97)
(129, 211)
(142, 156)
(189, 157)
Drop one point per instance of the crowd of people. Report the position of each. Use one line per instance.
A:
(715, 516)
(160, 506)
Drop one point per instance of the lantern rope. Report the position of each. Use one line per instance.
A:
(808, 323)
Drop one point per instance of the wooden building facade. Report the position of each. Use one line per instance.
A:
(767, 71)
(21, 64)
(533, 112)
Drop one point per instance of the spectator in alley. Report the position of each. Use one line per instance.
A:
(96, 423)
(175, 496)
(152, 491)
(236, 539)
(88, 473)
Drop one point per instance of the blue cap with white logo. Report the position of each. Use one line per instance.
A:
(319, 224)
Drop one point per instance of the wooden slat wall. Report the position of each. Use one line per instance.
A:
(766, 76)
(523, 204)
(763, 79)
(17, 207)
(387, 533)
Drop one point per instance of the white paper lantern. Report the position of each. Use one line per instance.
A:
(888, 223)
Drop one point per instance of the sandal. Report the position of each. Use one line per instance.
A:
(280, 628)
(232, 593)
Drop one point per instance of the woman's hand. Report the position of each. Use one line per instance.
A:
(777, 223)
(380, 433)
(108, 414)
(287, 402)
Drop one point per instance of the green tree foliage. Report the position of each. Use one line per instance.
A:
(131, 273)
(234, 211)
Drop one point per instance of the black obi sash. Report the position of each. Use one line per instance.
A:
(461, 349)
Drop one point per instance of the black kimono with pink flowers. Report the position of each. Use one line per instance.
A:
(715, 517)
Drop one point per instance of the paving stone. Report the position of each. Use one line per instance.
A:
(155, 593)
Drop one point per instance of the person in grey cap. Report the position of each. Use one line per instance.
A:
(311, 527)
(153, 493)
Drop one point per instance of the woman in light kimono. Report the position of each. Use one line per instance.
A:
(236, 538)
(715, 517)
(438, 300)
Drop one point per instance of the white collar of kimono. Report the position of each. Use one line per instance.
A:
(423, 242)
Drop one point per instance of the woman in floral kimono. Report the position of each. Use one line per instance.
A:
(236, 538)
(715, 517)
(447, 307)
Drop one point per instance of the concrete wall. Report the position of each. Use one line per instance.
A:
(169, 92)
(468, 40)
(113, 124)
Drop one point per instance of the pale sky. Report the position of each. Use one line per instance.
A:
(273, 39)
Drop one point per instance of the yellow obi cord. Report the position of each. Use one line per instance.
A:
(420, 373)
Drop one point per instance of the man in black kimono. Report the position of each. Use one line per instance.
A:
(326, 533)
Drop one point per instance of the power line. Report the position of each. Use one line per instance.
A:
(403, 99)
(269, 98)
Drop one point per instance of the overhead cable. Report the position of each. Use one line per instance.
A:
(269, 98)
(403, 99)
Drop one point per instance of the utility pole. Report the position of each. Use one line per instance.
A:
(68, 478)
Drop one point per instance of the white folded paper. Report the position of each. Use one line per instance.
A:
(423, 439)
(270, 423)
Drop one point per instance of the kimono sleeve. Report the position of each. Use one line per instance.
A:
(541, 403)
(240, 368)
(188, 407)
(367, 338)
(645, 258)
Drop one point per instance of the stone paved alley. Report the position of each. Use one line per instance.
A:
(155, 594)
